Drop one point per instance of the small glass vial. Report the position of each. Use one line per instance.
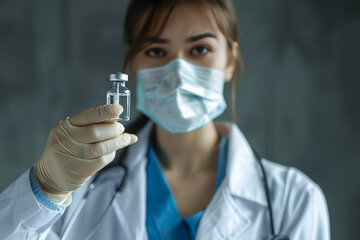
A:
(119, 94)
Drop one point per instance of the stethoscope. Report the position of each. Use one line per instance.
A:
(120, 186)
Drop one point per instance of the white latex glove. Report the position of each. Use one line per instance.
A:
(77, 148)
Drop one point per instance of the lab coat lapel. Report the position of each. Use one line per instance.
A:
(243, 170)
(231, 211)
(131, 204)
(130, 207)
(222, 219)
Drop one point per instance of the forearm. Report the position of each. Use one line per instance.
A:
(22, 216)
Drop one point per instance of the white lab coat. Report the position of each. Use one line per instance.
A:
(238, 210)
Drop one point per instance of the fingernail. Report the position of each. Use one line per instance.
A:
(134, 138)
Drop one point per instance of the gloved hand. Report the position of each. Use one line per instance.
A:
(77, 148)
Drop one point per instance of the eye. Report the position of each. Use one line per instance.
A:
(155, 52)
(200, 50)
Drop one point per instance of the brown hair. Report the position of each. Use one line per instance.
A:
(142, 14)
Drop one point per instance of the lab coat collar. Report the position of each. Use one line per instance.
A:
(241, 159)
(243, 172)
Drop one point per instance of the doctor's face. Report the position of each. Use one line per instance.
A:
(192, 34)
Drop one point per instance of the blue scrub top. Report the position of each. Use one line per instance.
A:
(163, 220)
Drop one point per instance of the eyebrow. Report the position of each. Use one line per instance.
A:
(200, 36)
(188, 40)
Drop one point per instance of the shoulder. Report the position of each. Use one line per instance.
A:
(297, 199)
(281, 174)
(294, 186)
(289, 179)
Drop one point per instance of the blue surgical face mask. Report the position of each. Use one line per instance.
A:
(179, 96)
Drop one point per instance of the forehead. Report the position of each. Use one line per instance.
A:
(186, 18)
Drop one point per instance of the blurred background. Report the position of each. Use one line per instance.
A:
(298, 103)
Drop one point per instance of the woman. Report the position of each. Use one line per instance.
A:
(186, 177)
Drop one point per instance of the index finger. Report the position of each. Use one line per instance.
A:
(96, 115)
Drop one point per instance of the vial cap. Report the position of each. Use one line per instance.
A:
(119, 77)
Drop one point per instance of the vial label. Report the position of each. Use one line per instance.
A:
(124, 100)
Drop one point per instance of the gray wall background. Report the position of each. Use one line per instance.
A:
(298, 103)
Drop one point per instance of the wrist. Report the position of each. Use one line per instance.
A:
(44, 186)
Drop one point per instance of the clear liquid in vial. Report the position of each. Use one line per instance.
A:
(124, 100)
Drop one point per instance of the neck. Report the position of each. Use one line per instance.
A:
(188, 152)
